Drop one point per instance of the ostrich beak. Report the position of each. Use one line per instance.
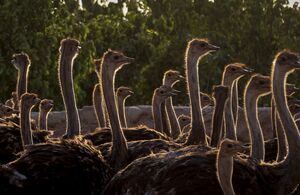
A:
(128, 60)
(180, 77)
(213, 47)
(248, 70)
(297, 64)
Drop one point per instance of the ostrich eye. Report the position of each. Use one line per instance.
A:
(283, 59)
(202, 44)
(229, 145)
(183, 119)
(205, 98)
(261, 82)
(161, 92)
(8, 110)
(233, 69)
(116, 57)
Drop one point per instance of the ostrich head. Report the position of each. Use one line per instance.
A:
(46, 105)
(69, 47)
(201, 47)
(236, 71)
(124, 92)
(163, 92)
(171, 77)
(30, 100)
(21, 61)
(260, 84)
(287, 61)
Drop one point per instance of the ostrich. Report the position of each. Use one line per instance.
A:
(256, 87)
(65, 71)
(171, 124)
(197, 48)
(52, 167)
(228, 148)
(27, 102)
(44, 108)
(221, 96)
(159, 96)
(189, 172)
(22, 63)
(122, 94)
(231, 73)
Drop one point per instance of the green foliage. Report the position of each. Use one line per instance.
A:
(154, 32)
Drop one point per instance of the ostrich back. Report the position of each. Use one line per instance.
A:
(102, 136)
(185, 171)
(11, 141)
(66, 167)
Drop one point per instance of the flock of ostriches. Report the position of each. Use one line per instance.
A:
(177, 156)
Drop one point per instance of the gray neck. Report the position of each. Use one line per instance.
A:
(230, 132)
(25, 117)
(22, 81)
(166, 126)
(224, 171)
(197, 133)
(122, 114)
(235, 102)
(281, 139)
(98, 106)
(252, 121)
(292, 172)
(67, 89)
(43, 116)
(174, 124)
(156, 112)
(119, 150)
(218, 119)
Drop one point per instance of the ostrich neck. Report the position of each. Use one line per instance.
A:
(25, 117)
(119, 151)
(174, 126)
(235, 102)
(98, 106)
(218, 116)
(156, 112)
(197, 133)
(22, 81)
(281, 139)
(291, 176)
(225, 170)
(229, 120)
(43, 115)
(252, 121)
(67, 89)
(288, 123)
(121, 108)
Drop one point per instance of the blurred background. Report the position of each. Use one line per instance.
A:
(154, 32)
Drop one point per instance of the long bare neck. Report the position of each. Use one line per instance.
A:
(197, 133)
(281, 139)
(224, 173)
(218, 117)
(156, 112)
(121, 108)
(43, 116)
(119, 151)
(67, 88)
(98, 106)
(292, 161)
(25, 117)
(22, 81)
(171, 114)
(230, 132)
(252, 121)
(166, 126)
(235, 102)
